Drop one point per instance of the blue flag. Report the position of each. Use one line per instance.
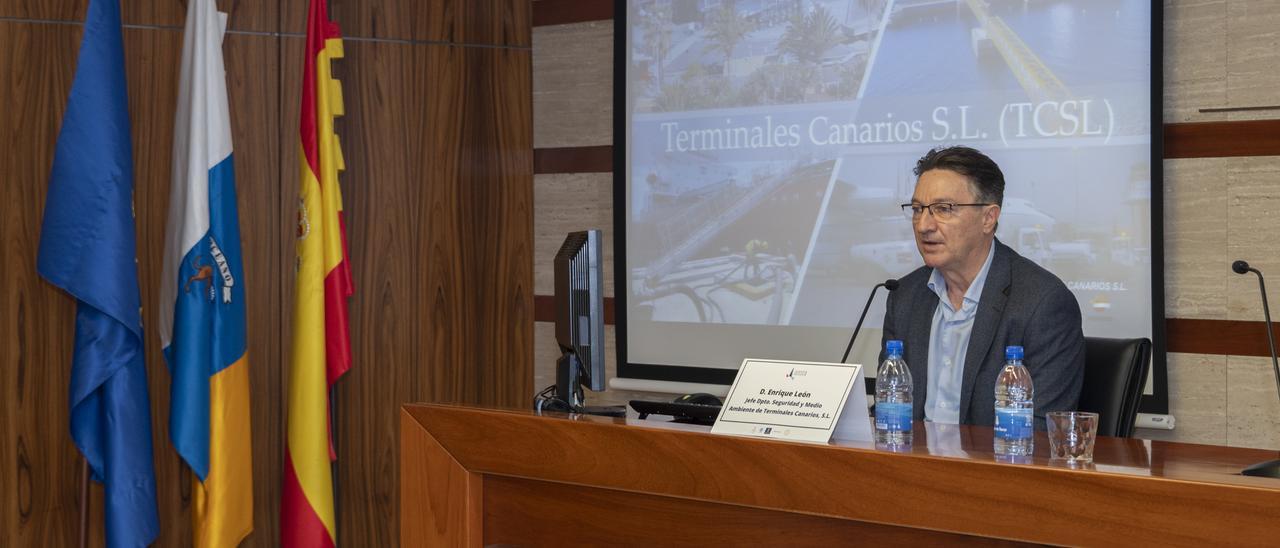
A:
(87, 248)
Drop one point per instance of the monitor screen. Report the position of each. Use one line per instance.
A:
(579, 281)
(766, 145)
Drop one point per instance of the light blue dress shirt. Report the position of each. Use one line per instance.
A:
(948, 344)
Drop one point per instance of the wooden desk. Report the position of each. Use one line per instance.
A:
(471, 477)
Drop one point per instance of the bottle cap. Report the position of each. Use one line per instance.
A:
(893, 348)
(1013, 352)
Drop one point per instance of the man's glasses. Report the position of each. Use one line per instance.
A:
(942, 211)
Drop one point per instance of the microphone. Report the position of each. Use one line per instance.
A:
(1266, 469)
(1242, 267)
(887, 284)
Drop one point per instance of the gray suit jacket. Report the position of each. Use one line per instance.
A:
(1021, 304)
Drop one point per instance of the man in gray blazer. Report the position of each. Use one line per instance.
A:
(974, 296)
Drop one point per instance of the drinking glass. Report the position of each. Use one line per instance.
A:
(1071, 435)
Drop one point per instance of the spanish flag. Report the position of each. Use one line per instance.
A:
(321, 345)
(202, 298)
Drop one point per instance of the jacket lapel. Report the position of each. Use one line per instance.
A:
(990, 310)
(921, 326)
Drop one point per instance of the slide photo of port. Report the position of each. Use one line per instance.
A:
(725, 194)
(690, 55)
(731, 255)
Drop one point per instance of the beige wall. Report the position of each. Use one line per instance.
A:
(1217, 53)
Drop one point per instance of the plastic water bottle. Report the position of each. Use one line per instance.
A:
(1014, 407)
(893, 399)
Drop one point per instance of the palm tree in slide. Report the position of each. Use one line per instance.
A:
(726, 30)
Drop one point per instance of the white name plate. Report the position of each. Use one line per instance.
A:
(800, 401)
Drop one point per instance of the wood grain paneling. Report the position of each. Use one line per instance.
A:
(46, 10)
(448, 525)
(439, 211)
(151, 63)
(560, 12)
(592, 159)
(242, 14)
(520, 512)
(492, 22)
(1222, 139)
(1230, 337)
(544, 309)
(39, 466)
(489, 157)
(253, 87)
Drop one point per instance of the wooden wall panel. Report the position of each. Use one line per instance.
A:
(439, 210)
(253, 87)
(523, 512)
(1224, 337)
(47, 10)
(590, 159)
(490, 157)
(243, 15)
(151, 62)
(39, 466)
(485, 22)
(1222, 139)
(438, 192)
(544, 309)
(560, 12)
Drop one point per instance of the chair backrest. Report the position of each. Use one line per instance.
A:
(1115, 371)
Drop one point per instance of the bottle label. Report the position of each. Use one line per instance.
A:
(1013, 424)
(893, 417)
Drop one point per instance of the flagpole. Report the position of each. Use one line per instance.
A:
(84, 502)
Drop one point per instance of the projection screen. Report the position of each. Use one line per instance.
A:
(763, 147)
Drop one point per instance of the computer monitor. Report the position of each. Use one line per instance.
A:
(579, 279)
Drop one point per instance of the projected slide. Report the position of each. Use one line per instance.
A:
(770, 143)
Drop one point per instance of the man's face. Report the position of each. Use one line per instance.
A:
(953, 243)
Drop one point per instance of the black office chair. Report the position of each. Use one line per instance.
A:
(1115, 371)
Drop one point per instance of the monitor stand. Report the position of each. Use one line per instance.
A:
(568, 394)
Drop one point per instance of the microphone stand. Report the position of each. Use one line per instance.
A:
(1269, 469)
(892, 284)
(1271, 338)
